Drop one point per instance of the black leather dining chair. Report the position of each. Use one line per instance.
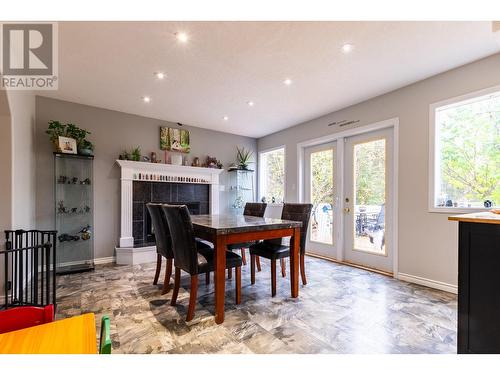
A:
(274, 249)
(164, 244)
(251, 209)
(191, 258)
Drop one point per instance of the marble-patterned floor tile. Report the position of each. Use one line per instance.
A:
(341, 310)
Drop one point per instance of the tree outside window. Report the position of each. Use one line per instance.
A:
(272, 175)
(468, 153)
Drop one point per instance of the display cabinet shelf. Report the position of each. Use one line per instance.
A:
(240, 189)
(74, 213)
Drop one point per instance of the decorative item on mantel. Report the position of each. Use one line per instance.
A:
(212, 162)
(168, 178)
(134, 155)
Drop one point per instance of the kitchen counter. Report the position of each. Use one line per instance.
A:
(478, 217)
(478, 283)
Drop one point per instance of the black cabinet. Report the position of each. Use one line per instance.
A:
(479, 288)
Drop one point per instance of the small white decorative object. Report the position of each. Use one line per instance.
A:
(176, 158)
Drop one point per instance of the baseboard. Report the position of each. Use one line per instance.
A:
(104, 260)
(135, 255)
(428, 282)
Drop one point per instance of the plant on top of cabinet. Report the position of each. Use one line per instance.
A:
(56, 130)
(243, 157)
(86, 147)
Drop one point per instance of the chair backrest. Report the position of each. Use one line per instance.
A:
(162, 232)
(298, 212)
(24, 317)
(255, 209)
(182, 232)
(105, 339)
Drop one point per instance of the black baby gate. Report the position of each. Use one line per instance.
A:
(29, 268)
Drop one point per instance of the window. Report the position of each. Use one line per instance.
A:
(465, 159)
(272, 175)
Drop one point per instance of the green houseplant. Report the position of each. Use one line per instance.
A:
(56, 129)
(243, 157)
(86, 147)
(136, 154)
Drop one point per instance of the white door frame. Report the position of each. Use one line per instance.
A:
(338, 217)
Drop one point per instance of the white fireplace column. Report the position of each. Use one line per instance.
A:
(132, 171)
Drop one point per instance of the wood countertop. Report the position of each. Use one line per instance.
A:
(478, 217)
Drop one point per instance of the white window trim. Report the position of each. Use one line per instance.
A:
(432, 149)
(259, 196)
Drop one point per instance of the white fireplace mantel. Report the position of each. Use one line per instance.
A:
(156, 172)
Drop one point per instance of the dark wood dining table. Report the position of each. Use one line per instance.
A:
(222, 230)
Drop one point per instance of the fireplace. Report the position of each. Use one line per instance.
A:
(149, 232)
(141, 183)
(194, 196)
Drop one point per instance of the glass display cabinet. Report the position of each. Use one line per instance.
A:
(240, 189)
(74, 212)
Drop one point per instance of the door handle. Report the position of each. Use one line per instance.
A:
(347, 210)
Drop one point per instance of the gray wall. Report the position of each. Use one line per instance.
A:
(427, 241)
(113, 132)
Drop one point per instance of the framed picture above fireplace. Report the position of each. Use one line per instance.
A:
(172, 139)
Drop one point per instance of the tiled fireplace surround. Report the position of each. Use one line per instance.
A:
(143, 182)
(195, 196)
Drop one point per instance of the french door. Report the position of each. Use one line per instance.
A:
(320, 190)
(350, 184)
(368, 199)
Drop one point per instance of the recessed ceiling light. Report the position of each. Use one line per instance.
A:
(225, 118)
(146, 99)
(250, 103)
(287, 81)
(160, 75)
(182, 37)
(346, 48)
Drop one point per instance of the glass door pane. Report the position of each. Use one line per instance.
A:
(322, 195)
(369, 196)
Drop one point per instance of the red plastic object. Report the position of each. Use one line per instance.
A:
(24, 317)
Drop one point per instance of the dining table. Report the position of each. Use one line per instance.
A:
(75, 335)
(224, 229)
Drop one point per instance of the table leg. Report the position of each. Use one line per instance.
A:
(220, 277)
(294, 262)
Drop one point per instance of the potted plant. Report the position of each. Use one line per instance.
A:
(86, 147)
(56, 130)
(243, 158)
(78, 134)
(136, 154)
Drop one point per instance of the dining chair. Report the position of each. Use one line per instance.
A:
(105, 339)
(24, 317)
(164, 244)
(251, 209)
(191, 258)
(274, 249)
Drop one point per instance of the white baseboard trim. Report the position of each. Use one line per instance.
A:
(428, 282)
(104, 260)
(135, 255)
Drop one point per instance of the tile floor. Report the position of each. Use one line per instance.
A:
(341, 310)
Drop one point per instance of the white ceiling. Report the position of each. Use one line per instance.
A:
(226, 64)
